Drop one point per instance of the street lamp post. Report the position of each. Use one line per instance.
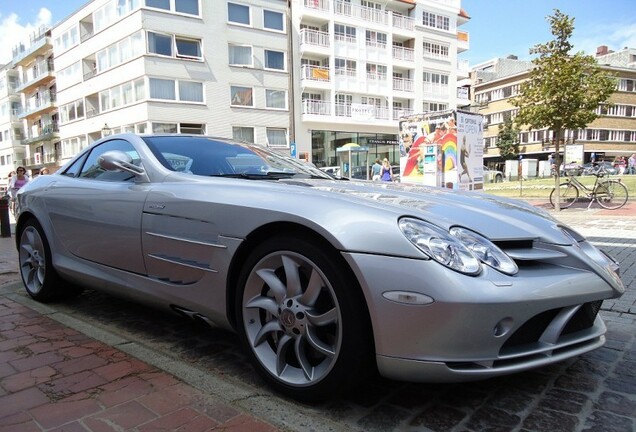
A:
(106, 130)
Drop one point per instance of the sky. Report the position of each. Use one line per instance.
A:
(497, 28)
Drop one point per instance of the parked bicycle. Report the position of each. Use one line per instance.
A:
(608, 193)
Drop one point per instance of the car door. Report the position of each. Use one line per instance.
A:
(96, 214)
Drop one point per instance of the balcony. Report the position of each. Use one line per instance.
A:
(319, 5)
(314, 76)
(316, 107)
(436, 91)
(47, 132)
(40, 43)
(401, 112)
(463, 41)
(312, 40)
(463, 69)
(403, 53)
(42, 103)
(367, 14)
(403, 84)
(39, 74)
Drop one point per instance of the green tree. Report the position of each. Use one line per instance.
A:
(508, 140)
(563, 90)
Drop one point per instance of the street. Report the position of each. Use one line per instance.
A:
(596, 391)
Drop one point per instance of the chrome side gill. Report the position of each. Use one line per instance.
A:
(184, 263)
(187, 240)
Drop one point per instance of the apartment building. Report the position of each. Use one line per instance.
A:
(360, 65)
(36, 84)
(166, 66)
(316, 73)
(612, 134)
(11, 150)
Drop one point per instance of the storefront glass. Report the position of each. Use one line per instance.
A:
(325, 143)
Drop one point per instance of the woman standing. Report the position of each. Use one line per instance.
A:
(386, 175)
(15, 183)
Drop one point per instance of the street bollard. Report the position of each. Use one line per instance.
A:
(5, 221)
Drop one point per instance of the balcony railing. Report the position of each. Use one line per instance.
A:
(36, 104)
(38, 70)
(322, 5)
(400, 112)
(314, 73)
(403, 53)
(436, 90)
(314, 37)
(362, 13)
(46, 132)
(348, 72)
(403, 84)
(316, 107)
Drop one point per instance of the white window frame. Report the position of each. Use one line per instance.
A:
(230, 56)
(268, 92)
(249, 14)
(234, 94)
(278, 130)
(265, 60)
(282, 15)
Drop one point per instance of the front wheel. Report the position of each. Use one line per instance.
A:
(40, 279)
(302, 320)
(611, 194)
(568, 195)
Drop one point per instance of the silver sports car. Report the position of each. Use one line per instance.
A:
(323, 279)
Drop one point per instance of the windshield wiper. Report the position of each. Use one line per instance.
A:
(269, 175)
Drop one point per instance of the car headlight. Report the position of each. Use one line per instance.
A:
(485, 250)
(440, 246)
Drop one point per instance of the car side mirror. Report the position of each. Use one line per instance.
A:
(117, 160)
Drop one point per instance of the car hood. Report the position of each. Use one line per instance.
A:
(495, 217)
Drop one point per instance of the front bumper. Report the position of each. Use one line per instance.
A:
(483, 326)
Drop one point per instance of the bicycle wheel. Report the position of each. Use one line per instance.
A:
(568, 194)
(611, 194)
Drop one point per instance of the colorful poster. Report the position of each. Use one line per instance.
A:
(470, 151)
(418, 134)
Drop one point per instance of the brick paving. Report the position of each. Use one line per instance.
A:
(98, 363)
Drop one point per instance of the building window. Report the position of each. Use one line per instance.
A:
(160, 44)
(243, 133)
(241, 96)
(273, 20)
(276, 99)
(164, 127)
(241, 55)
(190, 91)
(166, 89)
(345, 33)
(276, 137)
(274, 60)
(435, 21)
(190, 7)
(158, 4)
(188, 48)
(162, 89)
(192, 128)
(238, 14)
(376, 39)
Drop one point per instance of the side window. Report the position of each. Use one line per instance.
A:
(74, 169)
(92, 170)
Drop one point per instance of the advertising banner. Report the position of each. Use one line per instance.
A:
(435, 150)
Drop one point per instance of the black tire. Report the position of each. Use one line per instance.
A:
(498, 178)
(568, 195)
(40, 279)
(611, 194)
(301, 318)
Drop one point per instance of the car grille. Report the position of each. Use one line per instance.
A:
(531, 330)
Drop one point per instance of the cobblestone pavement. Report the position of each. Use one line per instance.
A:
(594, 392)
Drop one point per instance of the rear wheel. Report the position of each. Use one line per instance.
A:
(568, 195)
(40, 279)
(302, 319)
(611, 194)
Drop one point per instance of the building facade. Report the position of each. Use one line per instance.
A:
(315, 73)
(360, 65)
(612, 134)
(11, 135)
(181, 66)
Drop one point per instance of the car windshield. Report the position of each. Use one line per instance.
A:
(206, 156)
